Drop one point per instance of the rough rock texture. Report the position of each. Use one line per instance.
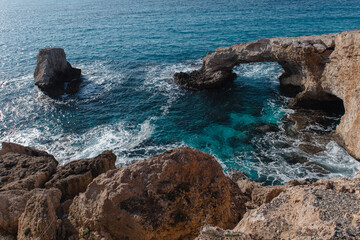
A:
(215, 233)
(303, 59)
(328, 209)
(74, 177)
(39, 219)
(325, 67)
(12, 205)
(24, 167)
(7, 147)
(341, 77)
(53, 71)
(168, 196)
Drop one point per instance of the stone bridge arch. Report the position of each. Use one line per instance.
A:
(325, 67)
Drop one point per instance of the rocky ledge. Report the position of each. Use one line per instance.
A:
(179, 194)
(53, 74)
(323, 67)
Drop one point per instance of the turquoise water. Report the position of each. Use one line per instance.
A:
(128, 51)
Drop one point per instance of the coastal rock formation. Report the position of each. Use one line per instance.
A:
(74, 177)
(327, 209)
(324, 67)
(324, 210)
(53, 74)
(39, 219)
(12, 205)
(29, 211)
(24, 168)
(341, 77)
(168, 196)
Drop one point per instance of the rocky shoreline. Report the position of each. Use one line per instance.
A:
(325, 69)
(183, 193)
(179, 194)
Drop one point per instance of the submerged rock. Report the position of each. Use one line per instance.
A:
(53, 74)
(168, 196)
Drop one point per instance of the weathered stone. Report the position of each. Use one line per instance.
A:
(216, 233)
(341, 77)
(74, 177)
(327, 210)
(12, 205)
(168, 196)
(326, 67)
(6, 236)
(39, 219)
(24, 168)
(8, 147)
(53, 71)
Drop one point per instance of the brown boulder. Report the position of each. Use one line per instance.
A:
(74, 177)
(167, 196)
(24, 168)
(39, 219)
(324, 210)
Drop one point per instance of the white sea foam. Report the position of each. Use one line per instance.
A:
(269, 70)
(159, 80)
(119, 137)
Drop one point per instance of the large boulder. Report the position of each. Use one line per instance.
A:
(53, 74)
(328, 209)
(24, 168)
(167, 196)
(74, 177)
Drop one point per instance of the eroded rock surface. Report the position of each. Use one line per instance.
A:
(74, 177)
(39, 219)
(328, 209)
(341, 77)
(53, 71)
(24, 168)
(12, 205)
(324, 67)
(168, 196)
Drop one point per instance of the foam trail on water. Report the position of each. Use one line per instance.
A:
(159, 80)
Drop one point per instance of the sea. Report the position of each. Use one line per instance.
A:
(128, 51)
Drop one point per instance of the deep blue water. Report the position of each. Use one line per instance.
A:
(128, 51)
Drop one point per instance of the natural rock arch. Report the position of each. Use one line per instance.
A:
(326, 67)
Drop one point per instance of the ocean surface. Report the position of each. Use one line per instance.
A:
(128, 51)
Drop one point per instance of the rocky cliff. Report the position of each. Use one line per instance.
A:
(324, 67)
(172, 195)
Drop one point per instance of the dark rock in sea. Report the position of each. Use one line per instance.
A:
(24, 168)
(74, 177)
(311, 149)
(53, 74)
(267, 128)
